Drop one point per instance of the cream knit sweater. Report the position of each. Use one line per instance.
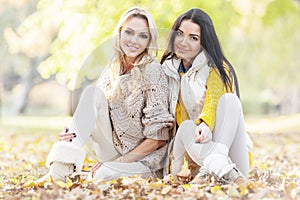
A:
(140, 113)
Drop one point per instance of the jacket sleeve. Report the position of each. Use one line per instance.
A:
(214, 90)
(157, 119)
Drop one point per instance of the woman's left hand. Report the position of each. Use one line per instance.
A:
(95, 168)
(203, 133)
(67, 136)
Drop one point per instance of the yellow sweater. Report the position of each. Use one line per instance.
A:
(215, 89)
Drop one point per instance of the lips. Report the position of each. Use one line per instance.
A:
(132, 47)
(181, 50)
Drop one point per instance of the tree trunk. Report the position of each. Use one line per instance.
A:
(30, 80)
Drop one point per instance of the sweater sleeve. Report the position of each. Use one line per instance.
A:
(157, 119)
(215, 89)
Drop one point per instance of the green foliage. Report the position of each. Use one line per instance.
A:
(83, 26)
(71, 37)
(279, 9)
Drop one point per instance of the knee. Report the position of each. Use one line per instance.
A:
(230, 97)
(185, 126)
(88, 91)
(231, 100)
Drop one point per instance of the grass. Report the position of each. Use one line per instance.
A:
(273, 124)
(33, 123)
(257, 124)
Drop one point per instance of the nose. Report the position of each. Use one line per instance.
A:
(133, 39)
(183, 40)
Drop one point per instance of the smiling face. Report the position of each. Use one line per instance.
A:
(187, 42)
(135, 37)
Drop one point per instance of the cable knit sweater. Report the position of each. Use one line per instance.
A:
(140, 113)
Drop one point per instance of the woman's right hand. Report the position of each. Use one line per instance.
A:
(67, 136)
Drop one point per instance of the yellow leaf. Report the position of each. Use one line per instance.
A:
(185, 168)
(244, 191)
(15, 180)
(85, 169)
(41, 184)
(50, 179)
(29, 184)
(156, 185)
(216, 190)
(263, 166)
(61, 184)
(42, 163)
(186, 186)
(66, 184)
(290, 189)
(113, 181)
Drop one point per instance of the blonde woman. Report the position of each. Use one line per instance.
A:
(126, 114)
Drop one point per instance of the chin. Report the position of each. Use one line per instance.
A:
(180, 56)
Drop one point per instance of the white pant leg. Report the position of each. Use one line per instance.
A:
(230, 130)
(84, 118)
(185, 142)
(91, 112)
(214, 155)
(82, 124)
(91, 119)
(102, 135)
(113, 170)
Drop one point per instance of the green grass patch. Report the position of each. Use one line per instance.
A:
(33, 124)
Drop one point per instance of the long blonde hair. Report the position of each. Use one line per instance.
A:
(142, 60)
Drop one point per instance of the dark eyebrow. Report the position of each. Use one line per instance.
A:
(189, 34)
(195, 35)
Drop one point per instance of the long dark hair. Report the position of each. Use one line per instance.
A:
(209, 41)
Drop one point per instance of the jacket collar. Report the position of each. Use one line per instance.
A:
(199, 62)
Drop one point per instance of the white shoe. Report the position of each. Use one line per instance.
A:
(58, 171)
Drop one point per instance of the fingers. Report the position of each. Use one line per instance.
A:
(200, 139)
(68, 137)
(95, 168)
(199, 134)
(203, 134)
(203, 139)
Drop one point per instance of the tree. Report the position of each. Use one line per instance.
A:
(71, 53)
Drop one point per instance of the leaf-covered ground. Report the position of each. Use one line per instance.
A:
(25, 142)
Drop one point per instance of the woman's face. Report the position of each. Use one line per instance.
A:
(187, 41)
(135, 37)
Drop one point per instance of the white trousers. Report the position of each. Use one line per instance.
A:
(91, 120)
(228, 146)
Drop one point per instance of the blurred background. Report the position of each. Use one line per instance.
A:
(51, 49)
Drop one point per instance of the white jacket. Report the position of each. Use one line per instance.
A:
(193, 84)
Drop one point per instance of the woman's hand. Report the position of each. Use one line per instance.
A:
(203, 133)
(67, 136)
(95, 168)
